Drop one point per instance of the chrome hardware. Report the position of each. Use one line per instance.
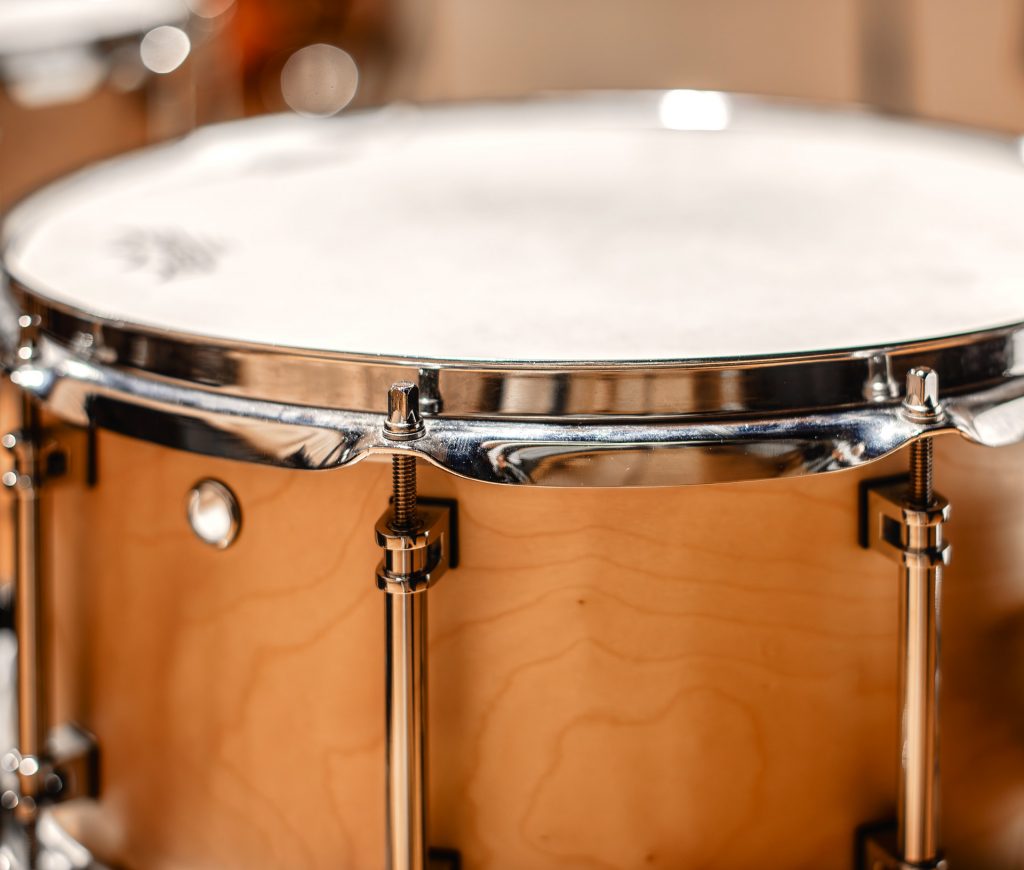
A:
(406, 738)
(415, 559)
(28, 326)
(214, 514)
(880, 385)
(403, 422)
(904, 520)
(68, 769)
(922, 398)
(430, 392)
(484, 441)
(415, 539)
(62, 763)
(591, 392)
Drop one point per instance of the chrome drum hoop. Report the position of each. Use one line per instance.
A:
(554, 391)
(608, 450)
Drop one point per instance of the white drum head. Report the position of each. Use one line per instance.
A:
(28, 26)
(566, 230)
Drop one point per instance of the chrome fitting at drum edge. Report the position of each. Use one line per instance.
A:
(921, 402)
(403, 422)
(910, 536)
(414, 560)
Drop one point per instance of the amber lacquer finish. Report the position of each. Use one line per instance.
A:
(699, 677)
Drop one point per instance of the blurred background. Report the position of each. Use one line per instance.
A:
(950, 59)
(947, 59)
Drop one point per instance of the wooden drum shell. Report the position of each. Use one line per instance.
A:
(690, 677)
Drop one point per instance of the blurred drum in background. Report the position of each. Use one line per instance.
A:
(84, 79)
(578, 299)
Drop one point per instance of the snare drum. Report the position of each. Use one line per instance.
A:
(83, 79)
(695, 339)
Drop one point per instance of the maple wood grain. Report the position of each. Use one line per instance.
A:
(698, 677)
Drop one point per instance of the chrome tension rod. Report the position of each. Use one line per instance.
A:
(905, 522)
(416, 540)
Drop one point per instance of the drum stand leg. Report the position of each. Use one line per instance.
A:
(416, 540)
(904, 520)
(47, 765)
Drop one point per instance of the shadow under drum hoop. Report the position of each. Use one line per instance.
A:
(81, 80)
(565, 295)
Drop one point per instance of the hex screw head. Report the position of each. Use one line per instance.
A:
(922, 398)
(403, 422)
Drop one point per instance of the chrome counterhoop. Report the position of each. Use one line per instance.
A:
(594, 451)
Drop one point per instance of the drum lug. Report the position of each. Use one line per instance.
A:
(414, 560)
(895, 528)
(903, 518)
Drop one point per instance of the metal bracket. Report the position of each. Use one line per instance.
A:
(414, 560)
(893, 527)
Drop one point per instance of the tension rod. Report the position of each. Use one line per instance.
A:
(918, 814)
(906, 523)
(416, 541)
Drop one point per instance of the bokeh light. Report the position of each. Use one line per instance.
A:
(164, 49)
(319, 80)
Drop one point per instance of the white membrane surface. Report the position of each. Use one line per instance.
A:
(40, 25)
(568, 230)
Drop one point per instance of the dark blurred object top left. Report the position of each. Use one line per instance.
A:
(81, 80)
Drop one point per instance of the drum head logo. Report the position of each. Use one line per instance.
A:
(168, 252)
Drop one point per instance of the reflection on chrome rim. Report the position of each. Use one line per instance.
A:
(603, 452)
